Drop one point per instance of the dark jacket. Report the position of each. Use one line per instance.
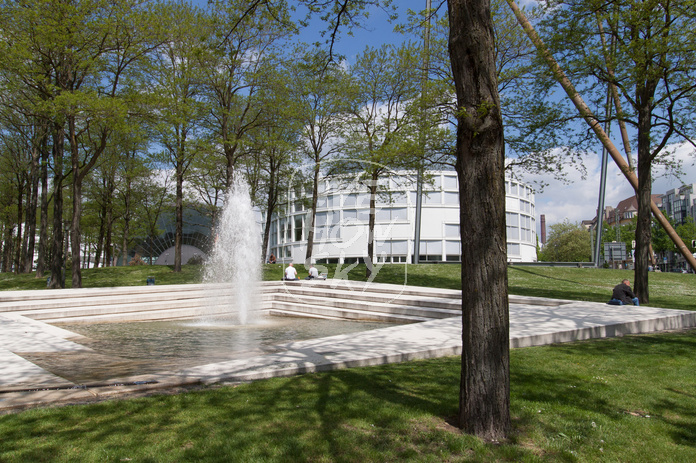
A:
(623, 293)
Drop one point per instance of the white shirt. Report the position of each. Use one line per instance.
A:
(313, 272)
(290, 273)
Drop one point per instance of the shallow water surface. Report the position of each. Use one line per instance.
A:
(129, 349)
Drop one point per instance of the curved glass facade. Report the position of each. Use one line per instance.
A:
(343, 210)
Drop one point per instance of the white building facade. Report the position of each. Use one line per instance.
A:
(341, 229)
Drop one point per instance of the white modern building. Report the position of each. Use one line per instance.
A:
(341, 229)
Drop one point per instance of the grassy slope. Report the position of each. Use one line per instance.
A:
(670, 290)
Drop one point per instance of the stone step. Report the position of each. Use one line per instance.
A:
(278, 307)
(131, 308)
(383, 288)
(344, 303)
(377, 297)
(143, 315)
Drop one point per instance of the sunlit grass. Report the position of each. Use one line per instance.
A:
(621, 399)
(669, 290)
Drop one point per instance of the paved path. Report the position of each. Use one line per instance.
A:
(23, 384)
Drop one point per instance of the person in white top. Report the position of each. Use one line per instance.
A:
(290, 272)
(313, 272)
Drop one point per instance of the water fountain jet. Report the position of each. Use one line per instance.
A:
(234, 266)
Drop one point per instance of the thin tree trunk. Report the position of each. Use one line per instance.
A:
(43, 236)
(57, 243)
(30, 228)
(313, 216)
(75, 230)
(484, 406)
(7, 249)
(18, 257)
(369, 262)
(644, 197)
(178, 237)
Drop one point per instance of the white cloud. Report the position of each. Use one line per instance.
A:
(577, 200)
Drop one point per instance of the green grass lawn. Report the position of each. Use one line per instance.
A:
(629, 399)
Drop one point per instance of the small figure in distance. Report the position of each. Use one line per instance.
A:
(290, 272)
(623, 295)
(313, 273)
(271, 259)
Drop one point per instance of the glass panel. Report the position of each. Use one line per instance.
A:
(350, 215)
(321, 219)
(451, 182)
(399, 213)
(350, 200)
(453, 247)
(451, 230)
(433, 197)
(383, 215)
(399, 247)
(451, 197)
(513, 233)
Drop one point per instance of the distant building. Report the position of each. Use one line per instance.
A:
(679, 204)
(341, 228)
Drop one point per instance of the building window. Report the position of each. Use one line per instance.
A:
(451, 230)
(451, 182)
(451, 198)
(430, 250)
(513, 249)
(512, 221)
(299, 222)
(453, 251)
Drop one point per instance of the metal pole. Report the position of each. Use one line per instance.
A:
(602, 185)
(419, 174)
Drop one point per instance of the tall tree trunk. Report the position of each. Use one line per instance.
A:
(108, 248)
(178, 237)
(43, 236)
(369, 262)
(313, 216)
(57, 243)
(18, 257)
(100, 236)
(7, 249)
(484, 406)
(30, 227)
(644, 196)
(271, 202)
(75, 231)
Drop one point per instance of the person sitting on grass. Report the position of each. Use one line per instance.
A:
(290, 272)
(623, 295)
(313, 273)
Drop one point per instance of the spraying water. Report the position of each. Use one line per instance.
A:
(235, 262)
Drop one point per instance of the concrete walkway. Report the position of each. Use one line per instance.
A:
(23, 384)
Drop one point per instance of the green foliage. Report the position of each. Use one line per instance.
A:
(687, 232)
(567, 242)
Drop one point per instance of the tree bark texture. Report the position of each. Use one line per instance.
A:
(43, 234)
(644, 192)
(485, 378)
(57, 243)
